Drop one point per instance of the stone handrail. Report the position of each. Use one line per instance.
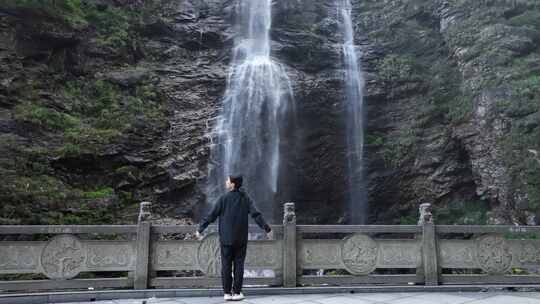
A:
(424, 254)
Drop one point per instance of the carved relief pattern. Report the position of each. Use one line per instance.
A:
(493, 254)
(320, 254)
(109, 256)
(177, 254)
(359, 253)
(63, 257)
(263, 255)
(209, 255)
(530, 254)
(457, 254)
(399, 254)
(17, 257)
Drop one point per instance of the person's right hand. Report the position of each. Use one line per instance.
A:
(198, 235)
(270, 235)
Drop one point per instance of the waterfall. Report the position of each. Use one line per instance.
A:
(249, 130)
(354, 86)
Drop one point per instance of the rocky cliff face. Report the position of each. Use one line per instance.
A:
(446, 91)
(104, 104)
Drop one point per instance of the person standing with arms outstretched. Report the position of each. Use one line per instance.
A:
(233, 209)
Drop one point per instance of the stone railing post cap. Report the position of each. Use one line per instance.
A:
(289, 207)
(144, 211)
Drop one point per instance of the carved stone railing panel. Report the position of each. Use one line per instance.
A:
(182, 255)
(20, 257)
(399, 254)
(175, 255)
(110, 255)
(491, 253)
(359, 254)
(320, 254)
(371, 254)
(205, 255)
(457, 254)
(526, 253)
(264, 255)
(209, 256)
(65, 256)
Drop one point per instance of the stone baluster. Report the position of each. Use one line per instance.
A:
(429, 246)
(289, 245)
(143, 247)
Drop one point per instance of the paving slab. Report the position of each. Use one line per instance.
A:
(352, 298)
(441, 298)
(343, 300)
(507, 299)
(383, 297)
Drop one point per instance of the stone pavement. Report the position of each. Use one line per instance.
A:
(357, 298)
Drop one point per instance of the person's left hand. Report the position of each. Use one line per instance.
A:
(198, 235)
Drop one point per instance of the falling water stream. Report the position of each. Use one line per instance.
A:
(354, 85)
(250, 126)
(248, 136)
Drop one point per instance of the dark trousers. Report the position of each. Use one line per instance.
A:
(233, 254)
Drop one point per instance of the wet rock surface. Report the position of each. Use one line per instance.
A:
(104, 113)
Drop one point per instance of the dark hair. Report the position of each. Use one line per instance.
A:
(236, 180)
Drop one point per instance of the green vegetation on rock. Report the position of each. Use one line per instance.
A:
(532, 177)
(100, 113)
(462, 213)
(460, 108)
(94, 115)
(100, 193)
(72, 11)
(529, 18)
(72, 111)
(395, 68)
(408, 220)
(399, 149)
(375, 140)
(521, 144)
(50, 119)
(113, 24)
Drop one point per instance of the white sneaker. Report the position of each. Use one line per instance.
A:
(238, 297)
(227, 297)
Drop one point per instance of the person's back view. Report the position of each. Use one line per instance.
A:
(233, 209)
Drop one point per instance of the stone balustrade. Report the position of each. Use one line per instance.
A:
(136, 257)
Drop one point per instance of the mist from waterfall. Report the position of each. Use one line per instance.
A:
(247, 135)
(354, 84)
